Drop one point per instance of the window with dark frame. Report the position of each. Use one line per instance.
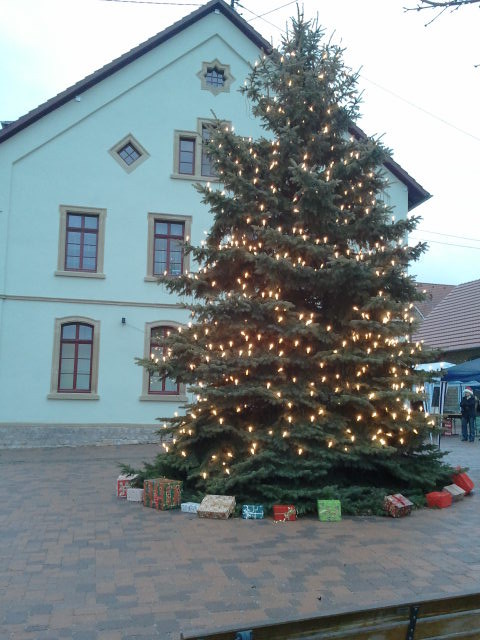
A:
(129, 154)
(168, 248)
(215, 77)
(160, 385)
(207, 162)
(81, 242)
(75, 367)
(186, 156)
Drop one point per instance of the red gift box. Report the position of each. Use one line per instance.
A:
(162, 493)
(284, 512)
(463, 481)
(439, 499)
(123, 483)
(397, 505)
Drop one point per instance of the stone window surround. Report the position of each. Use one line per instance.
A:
(197, 137)
(168, 217)
(129, 138)
(62, 235)
(60, 395)
(225, 88)
(159, 397)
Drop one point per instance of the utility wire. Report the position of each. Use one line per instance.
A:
(396, 95)
(415, 106)
(446, 235)
(449, 244)
(261, 18)
(272, 10)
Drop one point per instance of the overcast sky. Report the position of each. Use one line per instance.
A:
(421, 88)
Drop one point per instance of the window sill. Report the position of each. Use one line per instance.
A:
(193, 178)
(73, 396)
(157, 278)
(80, 274)
(162, 398)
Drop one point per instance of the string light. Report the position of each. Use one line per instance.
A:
(304, 248)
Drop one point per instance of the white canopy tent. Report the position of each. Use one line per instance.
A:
(439, 367)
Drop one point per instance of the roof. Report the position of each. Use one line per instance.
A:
(454, 324)
(117, 64)
(434, 293)
(416, 193)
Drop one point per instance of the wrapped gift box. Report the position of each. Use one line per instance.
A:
(220, 507)
(162, 493)
(439, 499)
(134, 495)
(123, 482)
(284, 512)
(329, 510)
(252, 511)
(189, 507)
(455, 491)
(397, 505)
(463, 481)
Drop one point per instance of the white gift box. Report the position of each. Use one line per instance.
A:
(455, 491)
(134, 495)
(189, 507)
(123, 482)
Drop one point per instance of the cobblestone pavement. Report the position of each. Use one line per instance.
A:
(76, 562)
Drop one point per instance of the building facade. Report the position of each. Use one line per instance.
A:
(96, 198)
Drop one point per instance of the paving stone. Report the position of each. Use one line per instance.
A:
(76, 560)
(15, 617)
(84, 635)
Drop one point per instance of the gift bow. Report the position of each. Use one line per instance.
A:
(289, 512)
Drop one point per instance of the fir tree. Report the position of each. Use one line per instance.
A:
(298, 349)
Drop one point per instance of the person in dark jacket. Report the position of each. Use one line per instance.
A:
(467, 407)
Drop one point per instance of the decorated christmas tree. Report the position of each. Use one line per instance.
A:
(298, 347)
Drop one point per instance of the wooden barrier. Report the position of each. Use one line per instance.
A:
(453, 618)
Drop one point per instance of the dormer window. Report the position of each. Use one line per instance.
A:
(215, 77)
(129, 153)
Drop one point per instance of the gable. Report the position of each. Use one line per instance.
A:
(71, 97)
(214, 6)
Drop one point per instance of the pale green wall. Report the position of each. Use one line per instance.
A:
(63, 159)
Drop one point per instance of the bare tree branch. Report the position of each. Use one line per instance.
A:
(441, 4)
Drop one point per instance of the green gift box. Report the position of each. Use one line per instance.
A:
(329, 510)
(162, 493)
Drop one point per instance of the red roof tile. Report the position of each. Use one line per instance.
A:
(435, 293)
(454, 324)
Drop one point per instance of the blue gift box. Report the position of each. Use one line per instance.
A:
(252, 511)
